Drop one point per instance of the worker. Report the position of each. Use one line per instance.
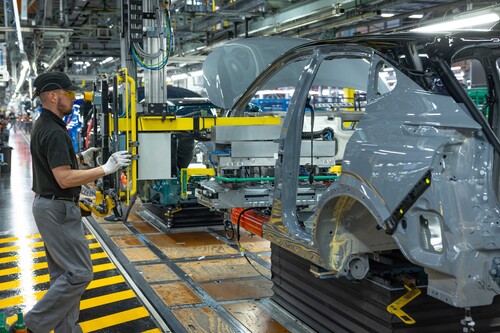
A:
(57, 182)
(5, 129)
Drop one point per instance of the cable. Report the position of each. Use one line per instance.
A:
(216, 152)
(143, 53)
(137, 51)
(156, 66)
(242, 250)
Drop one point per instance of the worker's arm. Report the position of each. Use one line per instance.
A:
(67, 177)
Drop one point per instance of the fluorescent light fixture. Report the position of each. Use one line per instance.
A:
(460, 23)
(24, 74)
(387, 14)
(105, 61)
(416, 16)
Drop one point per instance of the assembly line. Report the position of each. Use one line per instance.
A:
(347, 184)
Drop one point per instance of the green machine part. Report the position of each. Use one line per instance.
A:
(479, 97)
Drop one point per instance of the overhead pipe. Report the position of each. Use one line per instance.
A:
(61, 12)
(25, 70)
(18, 27)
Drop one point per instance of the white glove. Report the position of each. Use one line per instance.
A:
(88, 154)
(116, 161)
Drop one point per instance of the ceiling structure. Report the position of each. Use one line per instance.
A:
(84, 37)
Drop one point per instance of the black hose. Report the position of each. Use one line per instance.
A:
(324, 134)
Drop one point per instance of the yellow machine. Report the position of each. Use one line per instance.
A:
(121, 123)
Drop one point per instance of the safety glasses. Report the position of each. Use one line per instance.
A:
(70, 94)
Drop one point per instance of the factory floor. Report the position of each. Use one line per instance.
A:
(147, 278)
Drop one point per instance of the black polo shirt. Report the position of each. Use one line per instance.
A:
(51, 147)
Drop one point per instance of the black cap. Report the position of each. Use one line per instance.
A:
(52, 81)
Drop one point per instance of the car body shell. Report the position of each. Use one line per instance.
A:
(419, 172)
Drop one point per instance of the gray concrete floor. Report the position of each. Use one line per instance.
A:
(16, 196)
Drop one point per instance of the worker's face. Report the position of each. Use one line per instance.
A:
(65, 101)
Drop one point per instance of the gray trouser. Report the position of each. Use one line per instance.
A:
(70, 267)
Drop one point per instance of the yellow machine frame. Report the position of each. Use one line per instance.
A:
(130, 125)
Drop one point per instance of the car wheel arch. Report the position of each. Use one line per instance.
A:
(348, 222)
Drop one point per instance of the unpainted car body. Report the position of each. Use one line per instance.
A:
(420, 171)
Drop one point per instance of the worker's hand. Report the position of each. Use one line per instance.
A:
(116, 161)
(89, 154)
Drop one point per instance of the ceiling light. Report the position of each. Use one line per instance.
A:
(105, 61)
(387, 14)
(463, 23)
(416, 16)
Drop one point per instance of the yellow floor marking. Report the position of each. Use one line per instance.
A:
(8, 259)
(16, 258)
(8, 271)
(39, 265)
(98, 255)
(11, 301)
(13, 239)
(9, 249)
(8, 240)
(88, 326)
(42, 278)
(114, 319)
(17, 300)
(13, 318)
(37, 244)
(106, 282)
(106, 299)
(15, 270)
(39, 254)
(103, 267)
(14, 284)
(16, 248)
(94, 245)
(34, 236)
(43, 265)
